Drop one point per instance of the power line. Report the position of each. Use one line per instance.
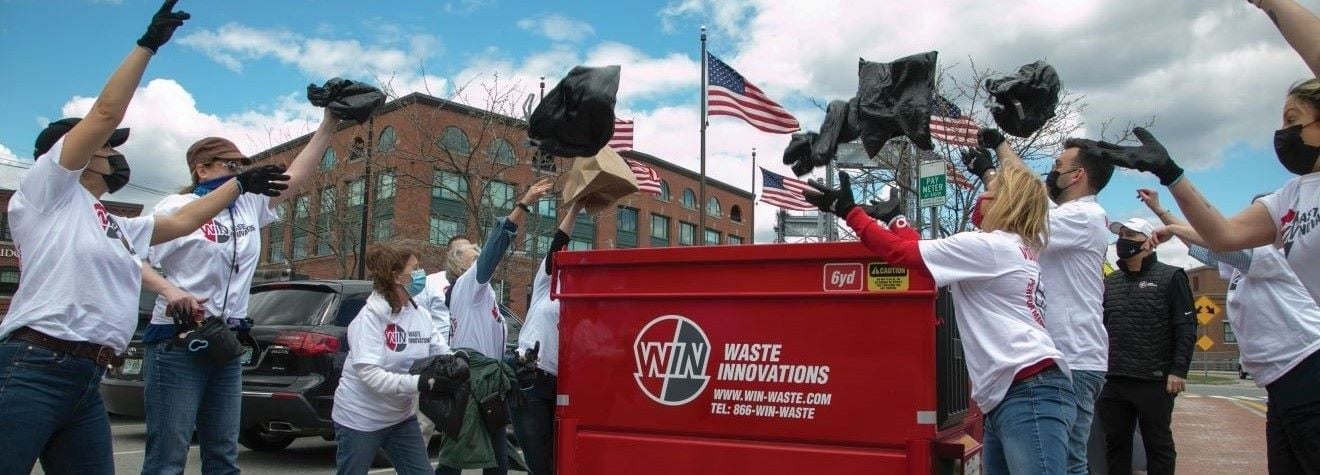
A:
(143, 188)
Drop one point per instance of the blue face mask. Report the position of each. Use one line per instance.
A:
(201, 189)
(418, 283)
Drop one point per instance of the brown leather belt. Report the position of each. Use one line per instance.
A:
(102, 355)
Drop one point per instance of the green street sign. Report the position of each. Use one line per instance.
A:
(932, 185)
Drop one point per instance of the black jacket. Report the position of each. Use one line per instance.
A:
(1150, 318)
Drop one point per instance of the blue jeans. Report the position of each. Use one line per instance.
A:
(50, 408)
(1086, 385)
(402, 443)
(1027, 433)
(534, 424)
(184, 393)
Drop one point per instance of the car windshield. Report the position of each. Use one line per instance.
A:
(289, 305)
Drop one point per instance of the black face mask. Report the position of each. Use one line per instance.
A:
(1126, 248)
(119, 173)
(1295, 155)
(1052, 185)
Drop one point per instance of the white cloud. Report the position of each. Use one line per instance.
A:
(466, 6)
(10, 168)
(559, 28)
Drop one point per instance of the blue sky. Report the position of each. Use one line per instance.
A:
(1212, 77)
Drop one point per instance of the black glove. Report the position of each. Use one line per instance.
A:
(978, 161)
(265, 180)
(832, 200)
(162, 26)
(989, 138)
(526, 372)
(444, 375)
(1150, 157)
(885, 210)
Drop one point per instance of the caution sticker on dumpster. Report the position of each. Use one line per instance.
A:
(882, 277)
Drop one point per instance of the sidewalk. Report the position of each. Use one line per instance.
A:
(1219, 434)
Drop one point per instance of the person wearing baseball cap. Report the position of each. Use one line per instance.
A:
(76, 303)
(210, 270)
(1149, 315)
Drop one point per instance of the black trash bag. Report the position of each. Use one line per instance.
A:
(576, 118)
(798, 153)
(445, 405)
(894, 99)
(346, 99)
(1023, 102)
(833, 131)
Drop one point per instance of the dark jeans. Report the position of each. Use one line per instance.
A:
(534, 424)
(184, 393)
(1292, 423)
(1126, 403)
(50, 408)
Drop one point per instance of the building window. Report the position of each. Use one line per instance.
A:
(275, 253)
(627, 232)
(449, 186)
(584, 232)
(454, 141)
(713, 207)
(545, 208)
(4, 227)
(502, 153)
(324, 220)
(359, 149)
(8, 281)
(498, 197)
(659, 230)
(712, 236)
(299, 244)
(384, 228)
(355, 190)
(735, 239)
(443, 228)
(387, 141)
(385, 185)
(689, 199)
(302, 208)
(579, 245)
(735, 214)
(664, 191)
(687, 233)
(538, 245)
(328, 159)
(1229, 336)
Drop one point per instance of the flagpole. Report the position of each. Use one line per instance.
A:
(701, 205)
(752, 238)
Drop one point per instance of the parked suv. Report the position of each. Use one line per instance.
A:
(121, 388)
(289, 379)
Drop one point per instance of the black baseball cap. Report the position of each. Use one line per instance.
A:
(53, 132)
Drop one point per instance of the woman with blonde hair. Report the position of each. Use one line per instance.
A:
(1019, 379)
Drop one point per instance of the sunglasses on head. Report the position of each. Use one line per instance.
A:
(232, 165)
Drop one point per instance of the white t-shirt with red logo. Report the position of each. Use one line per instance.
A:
(1295, 209)
(475, 318)
(1276, 322)
(222, 254)
(81, 267)
(391, 342)
(1074, 282)
(1000, 307)
(542, 324)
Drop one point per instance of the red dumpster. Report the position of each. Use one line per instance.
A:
(800, 358)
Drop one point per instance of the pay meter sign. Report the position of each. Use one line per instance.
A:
(933, 184)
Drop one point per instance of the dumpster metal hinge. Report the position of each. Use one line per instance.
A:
(562, 400)
(926, 417)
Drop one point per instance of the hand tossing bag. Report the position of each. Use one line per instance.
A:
(211, 340)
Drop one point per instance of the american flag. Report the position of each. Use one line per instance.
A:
(784, 192)
(956, 178)
(730, 94)
(947, 124)
(648, 181)
(623, 135)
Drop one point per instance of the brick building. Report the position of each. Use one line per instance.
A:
(439, 168)
(1205, 282)
(9, 269)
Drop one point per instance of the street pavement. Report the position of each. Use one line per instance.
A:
(1220, 429)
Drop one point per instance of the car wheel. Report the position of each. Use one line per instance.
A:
(255, 438)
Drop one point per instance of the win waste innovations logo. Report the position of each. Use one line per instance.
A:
(673, 358)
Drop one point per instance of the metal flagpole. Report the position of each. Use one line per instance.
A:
(701, 205)
(752, 239)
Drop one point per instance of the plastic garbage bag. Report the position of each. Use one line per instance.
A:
(576, 118)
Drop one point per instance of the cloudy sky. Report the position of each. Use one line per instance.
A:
(1210, 73)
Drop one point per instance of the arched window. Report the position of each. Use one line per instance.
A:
(8, 280)
(387, 141)
(689, 199)
(502, 153)
(664, 191)
(455, 141)
(713, 207)
(735, 214)
(328, 159)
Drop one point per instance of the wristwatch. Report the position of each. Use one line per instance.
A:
(524, 207)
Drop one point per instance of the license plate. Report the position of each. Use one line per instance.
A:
(247, 355)
(132, 367)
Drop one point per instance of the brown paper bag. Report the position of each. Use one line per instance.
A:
(599, 181)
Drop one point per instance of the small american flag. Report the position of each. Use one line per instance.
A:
(648, 181)
(623, 135)
(955, 177)
(784, 192)
(947, 124)
(730, 94)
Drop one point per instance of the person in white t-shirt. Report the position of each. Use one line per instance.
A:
(209, 272)
(375, 403)
(475, 319)
(1277, 324)
(433, 298)
(1070, 271)
(538, 360)
(1019, 378)
(76, 304)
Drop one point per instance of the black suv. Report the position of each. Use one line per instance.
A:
(122, 387)
(289, 379)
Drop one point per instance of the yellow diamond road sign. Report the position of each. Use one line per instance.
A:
(1206, 310)
(1205, 343)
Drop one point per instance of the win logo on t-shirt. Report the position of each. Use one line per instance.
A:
(396, 338)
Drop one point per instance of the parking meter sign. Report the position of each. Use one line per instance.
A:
(932, 186)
